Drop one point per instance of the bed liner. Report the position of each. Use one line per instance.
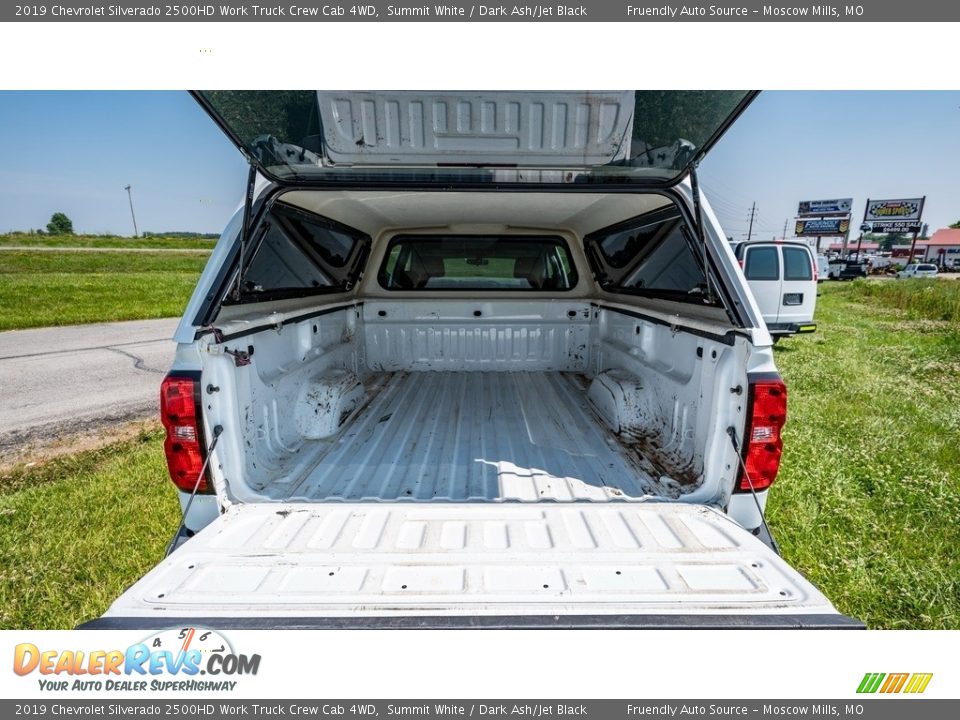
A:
(470, 436)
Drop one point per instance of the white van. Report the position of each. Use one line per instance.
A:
(474, 360)
(783, 279)
(918, 270)
(823, 268)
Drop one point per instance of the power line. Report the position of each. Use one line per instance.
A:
(728, 209)
(725, 206)
(728, 193)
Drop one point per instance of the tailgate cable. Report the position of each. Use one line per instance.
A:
(217, 431)
(763, 520)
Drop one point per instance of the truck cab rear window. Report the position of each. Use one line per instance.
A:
(475, 262)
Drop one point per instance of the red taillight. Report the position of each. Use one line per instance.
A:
(767, 413)
(184, 442)
(813, 266)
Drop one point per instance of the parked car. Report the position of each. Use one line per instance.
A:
(783, 279)
(439, 372)
(918, 270)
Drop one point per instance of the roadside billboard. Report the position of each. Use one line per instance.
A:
(825, 208)
(823, 228)
(904, 210)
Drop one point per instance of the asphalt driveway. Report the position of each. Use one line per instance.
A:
(55, 381)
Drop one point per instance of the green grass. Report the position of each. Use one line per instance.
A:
(75, 532)
(39, 289)
(868, 497)
(105, 241)
(931, 299)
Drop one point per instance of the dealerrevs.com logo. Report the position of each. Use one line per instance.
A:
(169, 660)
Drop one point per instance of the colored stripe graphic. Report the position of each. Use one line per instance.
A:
(918, 682)
(894, 683)
(870, 682)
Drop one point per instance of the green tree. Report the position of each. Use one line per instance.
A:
(890, 240)
(956, 225)
(60, 224)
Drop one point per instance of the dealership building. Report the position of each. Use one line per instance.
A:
(943, 248)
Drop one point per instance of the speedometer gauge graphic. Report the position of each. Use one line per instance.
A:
(181, 640)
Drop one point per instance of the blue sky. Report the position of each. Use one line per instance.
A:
(792, 146)
(75, 151)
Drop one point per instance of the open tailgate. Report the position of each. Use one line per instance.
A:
(473, 565)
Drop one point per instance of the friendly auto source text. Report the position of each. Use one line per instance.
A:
(672, 11)
(685, 710)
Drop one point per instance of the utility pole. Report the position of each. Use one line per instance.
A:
(913, 243)
(784, 237)
(753, 211)
(130, 198)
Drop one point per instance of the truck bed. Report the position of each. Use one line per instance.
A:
(469, 436)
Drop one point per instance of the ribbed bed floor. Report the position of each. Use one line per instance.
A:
(471, 436)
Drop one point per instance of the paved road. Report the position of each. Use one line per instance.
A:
(59, 380)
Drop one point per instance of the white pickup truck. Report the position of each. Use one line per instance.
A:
(473, 360)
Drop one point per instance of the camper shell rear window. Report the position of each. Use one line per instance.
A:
(478, 263)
